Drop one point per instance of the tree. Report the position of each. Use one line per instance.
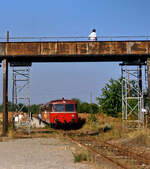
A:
(111, 100)
(95, 108)
(84, 107)
(35, 108)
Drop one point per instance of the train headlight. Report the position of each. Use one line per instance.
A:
(72, 115)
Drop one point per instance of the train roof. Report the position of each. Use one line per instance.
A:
(64, 101)
(60, 101)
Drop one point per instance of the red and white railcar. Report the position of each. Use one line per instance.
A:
(60, 112)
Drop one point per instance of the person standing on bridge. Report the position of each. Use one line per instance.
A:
(92, 36)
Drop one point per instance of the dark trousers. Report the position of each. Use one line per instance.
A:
(40, 121)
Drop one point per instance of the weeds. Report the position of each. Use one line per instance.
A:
(105, 127)
(82, 156)
(140, 137)
(92, 118)
(47, 126)
(141, 140)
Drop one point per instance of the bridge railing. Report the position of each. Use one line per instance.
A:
(74, 38)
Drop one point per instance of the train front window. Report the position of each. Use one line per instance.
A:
(59, 107)
(69, 107)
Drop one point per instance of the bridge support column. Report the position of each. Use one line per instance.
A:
(5, 97)
(148, 78)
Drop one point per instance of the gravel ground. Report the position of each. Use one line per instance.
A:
(38, 153)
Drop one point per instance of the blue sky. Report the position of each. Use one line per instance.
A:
(72, 18)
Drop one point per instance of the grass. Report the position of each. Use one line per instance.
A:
(98, 123)
(82, 156)
(140, 137)
(109, 128)
(92, 118)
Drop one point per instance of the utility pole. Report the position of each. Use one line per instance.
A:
(5, 94)
(91, 103)
(140, 79)
(128, 84)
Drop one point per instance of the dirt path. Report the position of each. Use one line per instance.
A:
(38, 153)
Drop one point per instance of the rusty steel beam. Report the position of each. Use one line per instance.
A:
(75, 51)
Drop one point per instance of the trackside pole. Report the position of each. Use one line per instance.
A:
(5, 97)
(5, 94)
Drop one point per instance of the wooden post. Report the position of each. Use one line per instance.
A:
(5, 94)
(5, 97)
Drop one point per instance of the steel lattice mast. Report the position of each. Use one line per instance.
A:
(21, 92)
(132, 97)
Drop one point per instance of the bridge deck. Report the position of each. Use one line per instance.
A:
(75, 51)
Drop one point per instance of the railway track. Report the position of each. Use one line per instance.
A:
(113, 154)
(117, 156)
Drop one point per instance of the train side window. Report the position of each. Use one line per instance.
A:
(69, 107)
(47, 108)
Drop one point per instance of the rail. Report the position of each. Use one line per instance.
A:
(74, 38)
(114, 154)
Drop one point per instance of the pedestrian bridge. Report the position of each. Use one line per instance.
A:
(75, 51)
(130, 51)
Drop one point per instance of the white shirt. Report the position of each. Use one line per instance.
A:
(92, 36)
(144, 110)
(20, 117)
(16, 119)
(39, 116)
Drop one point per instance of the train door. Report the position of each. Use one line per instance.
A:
(47, 111)
(51, 113)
